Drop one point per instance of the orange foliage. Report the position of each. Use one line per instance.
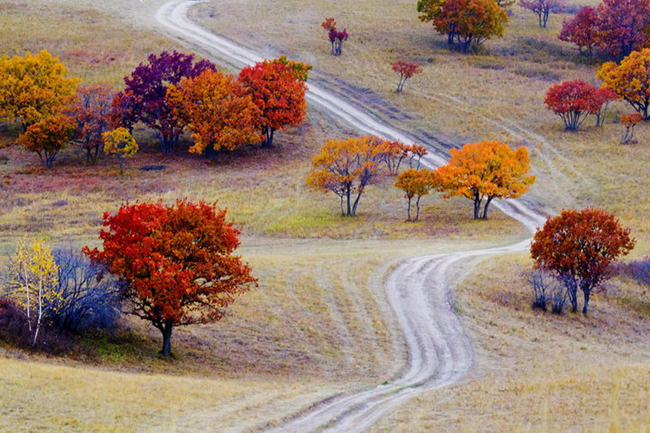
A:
(415, 184)
(216, 109)
(48, 137)
(485, 171)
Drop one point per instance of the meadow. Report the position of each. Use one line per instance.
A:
(321, 315)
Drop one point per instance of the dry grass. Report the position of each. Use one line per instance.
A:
(539, 372)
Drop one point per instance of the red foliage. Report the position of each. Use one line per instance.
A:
(573, 101)
(406, 71)
(578, 247)
(278, 93)
(91, 112)
(177, 262)
(335, 37)
(582, 30)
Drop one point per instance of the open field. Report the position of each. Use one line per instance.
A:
(320, 323)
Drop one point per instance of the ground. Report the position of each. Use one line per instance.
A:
(321, 313)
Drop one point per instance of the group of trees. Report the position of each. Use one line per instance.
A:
(575, 100)
(169, 265)
(466, 22)
(169, 93)
(576, 249)
(335, 36)
(615, 27)
(481, 172)
(543, 9)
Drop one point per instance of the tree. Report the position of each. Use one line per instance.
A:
(300, 69)
(415, 184)
(573, 101)
(121, 144)
(217, 110)
(335, 36)
(146, 89)
(33, 87)
(582, 30)
(468, 22)
(48, 137)
(604, 96)
(347, 168)
(630, 121)
(543, 8)
(124, 110)
(32, 282)
(279, 94)
(578, 248)
(483, 172)
(622, 26)
(630, 80)
(176, 263)
(91, 113)
(406, 70)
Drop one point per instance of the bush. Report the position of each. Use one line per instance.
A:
(13, 324)
(546, 291)
(87, 298)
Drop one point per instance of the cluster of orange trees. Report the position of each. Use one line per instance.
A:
(481, 172)
(168, 94)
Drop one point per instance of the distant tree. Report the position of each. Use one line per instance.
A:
(415, 184)
(147, 85)
(217, 110)
(176, 263)
(417, 152)
(335, 36)
(630, 80)
(578, 247)
(32, 282)
(279, 94)
(543, 8)
(573, 101)
(48, 137)
(483, 172)
(300, 69)
(406, 70)
(392, 153)
(630, 121)
(468, 22)
(90, 111)
(582, 30)
(604, 96)
(120, 144)
(346, 168)
(623, 26)
(33, 87)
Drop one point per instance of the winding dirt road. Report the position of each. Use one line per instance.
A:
(439, 351)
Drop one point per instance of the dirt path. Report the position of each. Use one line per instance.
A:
(439, 352)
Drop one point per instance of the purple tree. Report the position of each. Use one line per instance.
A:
(148, 86)
(336, 39)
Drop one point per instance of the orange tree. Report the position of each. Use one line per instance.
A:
(175, 263)
(577, 247)
(216, 109)
(405, 70)
(415, 184)
(630, 80)
(278, 92)
(48, 137)
(346, 168)
(483, 172)
(33, 87)
(468, 22)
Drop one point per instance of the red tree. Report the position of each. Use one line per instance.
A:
(91, 112)
(573, 101)
(176, 262)
(578, 247)
(622, 26)
(335, 36)
(604, 96)
(278, 93)
(582, 30)
(406, 70)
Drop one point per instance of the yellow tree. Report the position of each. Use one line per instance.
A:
(33, 87)
(121, 144)
(216, 109)
(415, 184)
(630, 80)
(33, 282)
(346, 168)
(483, 172)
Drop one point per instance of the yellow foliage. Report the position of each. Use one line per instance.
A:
(630, 80)
(33, 87)
(119, 142)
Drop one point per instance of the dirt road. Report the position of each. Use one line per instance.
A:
(439, 351)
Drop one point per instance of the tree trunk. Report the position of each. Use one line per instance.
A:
(356, 203)
(166, 331)
(573, 298)
(349, 200)
(417, 208)
(408, 209)
(485, 209)
(586, 305)
(477, 207)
